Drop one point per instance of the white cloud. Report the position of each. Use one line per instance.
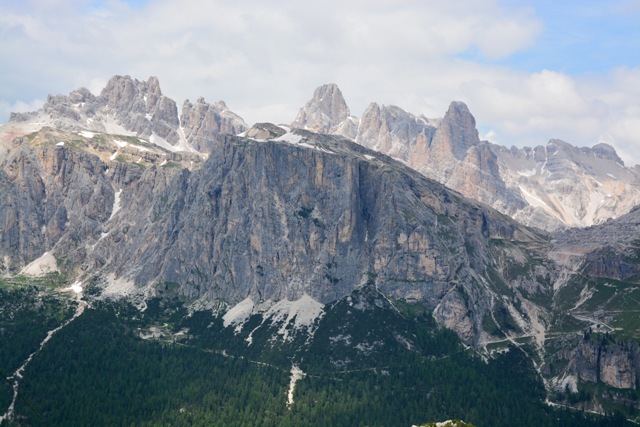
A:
(265, 60)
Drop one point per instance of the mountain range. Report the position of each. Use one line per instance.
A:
(276, 228)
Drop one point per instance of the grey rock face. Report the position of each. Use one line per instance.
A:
(129, 106)
(549, 187)
(606, 362)
(447, 150)
(326, 112)
(203, 123)
(396, 133)
(52, 197)
(141, 107)
(271, 219)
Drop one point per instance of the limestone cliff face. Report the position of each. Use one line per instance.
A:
(52, 196)
(327, 214)
(614, 365)
(478, 176)
(306, 214)
(396, 133)
(298, 213)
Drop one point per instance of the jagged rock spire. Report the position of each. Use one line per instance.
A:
(324, 112)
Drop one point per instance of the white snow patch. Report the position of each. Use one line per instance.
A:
(116, 203)
(147, 116)
(290, 138)
(239, 314)
(113, 156)
(86, 134)
(61, 143)
(527, 173)
(120, 143)
(161, 142)
(164, 162)
(139, 148)
(537, 202)
(293, 139)
(611, 176)
(296, 375)
(369, 157)
(76, 287)
(39, 267)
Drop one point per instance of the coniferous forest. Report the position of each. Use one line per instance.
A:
(99, 371)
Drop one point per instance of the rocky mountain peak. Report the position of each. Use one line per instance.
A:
(391, 130)
(324, 112)
(203, 123)
(457, 130)
(605, 151)
(141, 107)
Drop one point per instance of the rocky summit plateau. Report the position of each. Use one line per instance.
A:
(282, 233)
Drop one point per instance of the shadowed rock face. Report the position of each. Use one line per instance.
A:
(52, 197)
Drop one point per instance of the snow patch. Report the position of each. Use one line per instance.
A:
(527, 173)
(75, 288)
(239, 314)
(369, 157)
(611, 176)
(120, 143)
(86, 134)
(116, 203)
(61, 144)
(39, 267)
(113, 156)
(293, 139)
(290, 138)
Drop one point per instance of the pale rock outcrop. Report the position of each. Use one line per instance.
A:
(326, 112)
(141, 107)
(203, 123)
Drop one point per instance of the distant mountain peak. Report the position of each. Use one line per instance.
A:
(324, 112)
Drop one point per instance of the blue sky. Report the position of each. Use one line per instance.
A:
(582, 37)
(529, 70)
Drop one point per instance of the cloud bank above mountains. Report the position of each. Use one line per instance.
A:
(526, 73)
